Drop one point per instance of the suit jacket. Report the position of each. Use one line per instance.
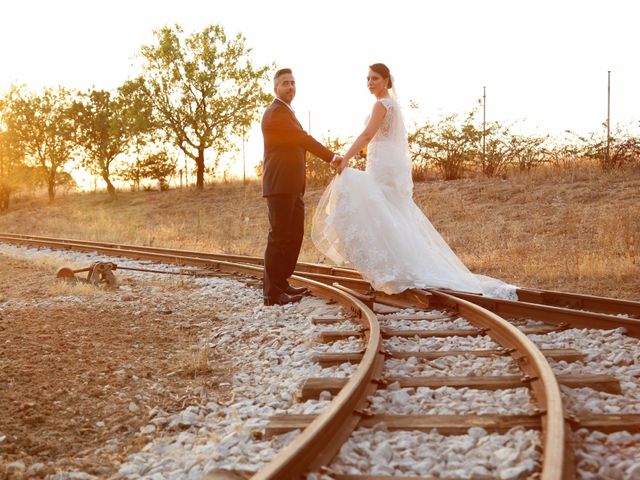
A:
(285, 144)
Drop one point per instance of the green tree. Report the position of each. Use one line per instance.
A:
(156, 165)
(131, 172)
(107, 126)
(159, 166)
(203, 89)
(11, 167)
(44, 129)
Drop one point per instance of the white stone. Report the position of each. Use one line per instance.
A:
(512, 473)
(16, 466)
(633, 472)
(35, 468)
(148, 429)
(504, 457)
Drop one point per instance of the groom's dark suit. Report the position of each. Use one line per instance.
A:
(283, 184)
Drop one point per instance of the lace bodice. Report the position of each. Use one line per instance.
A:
(392, 128)
(388, 160)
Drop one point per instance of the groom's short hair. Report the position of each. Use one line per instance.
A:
(280, 72)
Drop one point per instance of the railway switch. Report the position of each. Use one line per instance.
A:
(99, 274)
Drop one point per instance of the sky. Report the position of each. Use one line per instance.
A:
(544, 63)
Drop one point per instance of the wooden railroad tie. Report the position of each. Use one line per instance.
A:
(459, 424)
(410, 318)
(340, 476)
(605, 383)
(328, 359)
(332, 335)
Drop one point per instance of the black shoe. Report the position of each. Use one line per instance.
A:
(295, 290)
(281, 299)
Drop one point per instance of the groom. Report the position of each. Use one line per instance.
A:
(283, 182)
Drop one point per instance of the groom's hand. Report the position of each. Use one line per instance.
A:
(336, 163)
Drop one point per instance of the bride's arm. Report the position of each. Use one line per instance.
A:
(377, 116)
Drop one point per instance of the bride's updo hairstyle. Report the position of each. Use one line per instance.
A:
(382, 69)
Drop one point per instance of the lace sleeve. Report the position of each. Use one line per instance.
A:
(386, 129)
(387, 102)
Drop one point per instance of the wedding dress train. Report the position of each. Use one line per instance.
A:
(368, 219)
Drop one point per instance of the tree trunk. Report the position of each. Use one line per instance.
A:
(110, 188)
(200, 171)
(51, 188)
(5, 196)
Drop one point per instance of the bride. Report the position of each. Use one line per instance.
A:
(368, 218)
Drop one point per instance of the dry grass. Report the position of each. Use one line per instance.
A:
(70, 288)
(51, 262)
(194, 360)
(573, 230)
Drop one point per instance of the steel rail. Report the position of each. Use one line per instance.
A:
(558, 461)
(358, 287)
(592, 303)
(558, 458)
(321, 440)
(334, 426)
(560, 316)
(575, 301)
(555, 315)
(303, 266)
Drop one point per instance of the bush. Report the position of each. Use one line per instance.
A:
(449, 145)
(624, 148)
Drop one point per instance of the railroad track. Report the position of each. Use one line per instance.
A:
(323, 435)
(345, 276)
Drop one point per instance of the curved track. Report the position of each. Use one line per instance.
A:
(323, 436)
(346, 276)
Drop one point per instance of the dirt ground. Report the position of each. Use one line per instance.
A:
(81, 375)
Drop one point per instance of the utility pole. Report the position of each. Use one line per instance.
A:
(484, 123)
(607, 158)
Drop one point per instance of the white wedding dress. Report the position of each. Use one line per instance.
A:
(369, 220)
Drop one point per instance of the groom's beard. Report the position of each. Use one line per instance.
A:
(287, 97)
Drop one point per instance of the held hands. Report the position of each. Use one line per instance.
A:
(335, 163)
(344, 163)
(340, 163)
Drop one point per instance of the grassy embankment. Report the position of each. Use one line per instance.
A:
(573, 230)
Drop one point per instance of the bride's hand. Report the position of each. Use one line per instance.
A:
(344, 163)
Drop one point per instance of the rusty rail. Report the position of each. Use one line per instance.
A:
(352, 278)
(322, 438)
(558, 461)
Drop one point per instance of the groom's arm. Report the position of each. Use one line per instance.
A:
(280, 129)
